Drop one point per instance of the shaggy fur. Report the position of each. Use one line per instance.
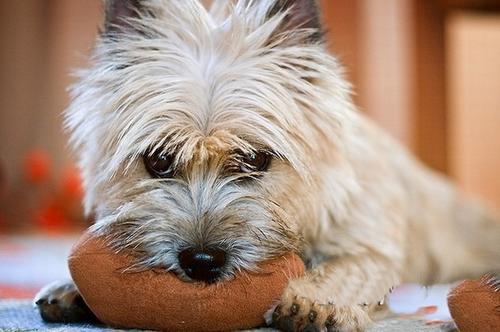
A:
(207, 87)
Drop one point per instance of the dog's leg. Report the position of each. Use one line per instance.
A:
(344, 294)
(61, 302)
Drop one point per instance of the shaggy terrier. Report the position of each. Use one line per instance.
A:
(212, 140)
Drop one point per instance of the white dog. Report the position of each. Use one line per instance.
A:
(210, 141)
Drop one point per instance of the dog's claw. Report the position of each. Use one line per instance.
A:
(53, 301)
(39, 302)
(312, 316)
(294, 309)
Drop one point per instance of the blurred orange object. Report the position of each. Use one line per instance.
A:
(72, 183)
(37, 166)
(17, 292)
(52, 219)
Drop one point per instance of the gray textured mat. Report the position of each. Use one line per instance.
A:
(17, 316)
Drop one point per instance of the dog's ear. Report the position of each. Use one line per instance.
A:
(118, 13)
(301, 14)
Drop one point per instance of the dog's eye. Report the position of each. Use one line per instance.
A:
(159, 164)
(255, 162)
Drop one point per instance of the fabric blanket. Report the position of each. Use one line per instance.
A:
(20, 316)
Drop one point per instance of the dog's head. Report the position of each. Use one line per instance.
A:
(202, 135)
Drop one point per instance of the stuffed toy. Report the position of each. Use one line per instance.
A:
(475, 305)
(158, 300)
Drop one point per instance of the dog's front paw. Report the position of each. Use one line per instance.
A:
(60, 302)
(298, 313)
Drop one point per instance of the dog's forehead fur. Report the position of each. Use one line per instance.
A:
(190, 81)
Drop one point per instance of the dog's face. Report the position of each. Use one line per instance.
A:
(201, 136)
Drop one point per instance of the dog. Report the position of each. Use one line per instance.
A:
(212, 140)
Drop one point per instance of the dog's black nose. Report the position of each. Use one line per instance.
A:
(202, 264)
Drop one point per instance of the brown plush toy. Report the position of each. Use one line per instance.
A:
(475, 305)
(159, 300)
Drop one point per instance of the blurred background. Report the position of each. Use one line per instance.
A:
(426, 70)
